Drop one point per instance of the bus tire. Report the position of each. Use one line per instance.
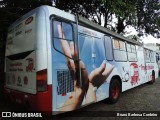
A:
(114, 91)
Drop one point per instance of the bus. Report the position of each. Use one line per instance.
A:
(158, 61)
(57, 62)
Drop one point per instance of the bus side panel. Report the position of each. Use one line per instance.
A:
(62, 77)
(155, 65)
(141, 64)
(92, 54)
(151, 65)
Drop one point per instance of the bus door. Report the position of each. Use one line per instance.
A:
(142, 64)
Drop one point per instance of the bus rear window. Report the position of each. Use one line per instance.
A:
(21, 36)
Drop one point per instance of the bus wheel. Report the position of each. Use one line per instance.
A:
(153, 78)
(114, 91)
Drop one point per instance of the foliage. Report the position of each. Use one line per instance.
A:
(141, 14)
(10, 10)
(102, 11)
(148, 16)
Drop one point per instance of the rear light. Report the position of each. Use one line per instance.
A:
(42, 80)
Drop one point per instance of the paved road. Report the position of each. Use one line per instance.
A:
(142, 98)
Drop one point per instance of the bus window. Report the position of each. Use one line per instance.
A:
(108, 48)
(157, 57)
(122, 45)
(147, 56)
(62, 31)
(128, 47)
(119, 50)
(152, 59)
(131, 51)
(116, 44)
(133, 48)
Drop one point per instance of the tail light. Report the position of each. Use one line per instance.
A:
(42, 80)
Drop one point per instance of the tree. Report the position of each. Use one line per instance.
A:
(148, 16)
(102, 11)
(136, 13)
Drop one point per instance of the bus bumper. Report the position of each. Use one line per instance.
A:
(39, 102)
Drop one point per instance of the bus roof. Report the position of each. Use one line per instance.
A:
(95, 26)
(54, 11)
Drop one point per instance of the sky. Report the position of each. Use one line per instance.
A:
(146, 39)
(129, 30)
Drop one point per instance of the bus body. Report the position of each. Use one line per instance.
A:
(38, 73)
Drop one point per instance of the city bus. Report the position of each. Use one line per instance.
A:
(57, 62)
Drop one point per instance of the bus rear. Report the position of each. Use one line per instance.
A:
(26, 63)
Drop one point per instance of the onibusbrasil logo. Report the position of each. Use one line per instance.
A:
(14, 114)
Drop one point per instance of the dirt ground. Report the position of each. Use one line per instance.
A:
(144, 98)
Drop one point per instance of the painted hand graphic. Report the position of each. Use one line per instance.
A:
(99, 75)
(71, 53)
(96, 78)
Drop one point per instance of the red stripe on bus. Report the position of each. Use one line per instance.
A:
(39, 102)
